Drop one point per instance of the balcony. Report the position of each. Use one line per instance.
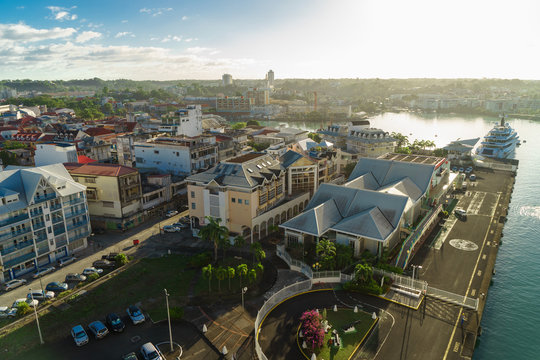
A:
(36, 212)
(57, 219)
(56, 206)
(42, 198)
(13, 220)
(75, 213)
(77, 224)
(73, 201)
(19, 260)
(39, 225)
(58, 230)
(79, 236)
(14, 234)
(19, 246)
(43, 250)
(60, 243)
(41, 238)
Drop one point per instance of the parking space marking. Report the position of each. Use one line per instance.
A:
(488, 243)
(456, 346)
(479, 273)
(491, 232)
(484, 257)
(473, 292)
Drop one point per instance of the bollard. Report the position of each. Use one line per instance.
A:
(335, 308)
(355, 309)
(224, 351)
(204, 329)
(374, 316)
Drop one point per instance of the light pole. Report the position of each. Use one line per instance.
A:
(244, 290)
(414, 267)
(169, 318)
(37, 320)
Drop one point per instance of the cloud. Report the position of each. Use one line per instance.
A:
(190, 39)
(123, 34)
(124, 21)
(94, 26)
(155, 11)
(171, 38)
(25, 33)
(87, 36)
(201, 50)
(61, 13)
(184, 18)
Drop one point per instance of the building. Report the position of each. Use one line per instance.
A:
(113, 192)
(226, 79)
(186, 122)
(338, 134)
(55, 153)
(177, 156)
(259, 96)
(43, 217)
(461, 149)
(270, 78)
(22, 157)
(376, 207)
(125, 145)
(246, 192)
(370, 142)
(233, 104)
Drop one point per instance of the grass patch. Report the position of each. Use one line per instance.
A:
(349, 341)
(142, 282)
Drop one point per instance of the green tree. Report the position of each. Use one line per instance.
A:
(225, 244)
(401, 140)
(349, 169)
(259, 268)
(230, 274)
(239, 241)
(363, 273)
(252, 123)
(252, 276)
(238, 126)
(207, 272)
(214, 232)
(315, 137)
(121, 259)
(257, 252)
(221, 273)
(241, 270)
(108, 108)
(326, 250)
(23, 308)
(344, 256)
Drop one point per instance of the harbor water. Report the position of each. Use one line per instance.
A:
(510, 320)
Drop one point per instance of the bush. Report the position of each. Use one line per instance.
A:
(200, 260)
(23, 309)
(177, 313)
(92, 277)
(371, 288)
(390, 268)
(121, 259)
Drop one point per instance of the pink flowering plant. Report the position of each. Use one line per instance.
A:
(312, 329)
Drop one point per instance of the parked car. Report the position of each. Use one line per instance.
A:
(181, 225)
(472, 177)
(31, 303)
(130, 356)
(111, 256)
(171, 213)
(103, 264)
(15, 283)
(461, 169)
(454, 168)
(6, 312)
(66, 260)
(135, 314)
(464, 185)
(56, 286)
(460, 212)
(184, 219)
(98, 329)
(79, 335)
(91, 270)
(40, 295)
(114, 322)
(150, 352)
(43, 271)
(75, 277)
(171, 229)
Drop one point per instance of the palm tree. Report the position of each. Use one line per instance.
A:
(363, 273)
(207, 273)
(239, 241)
(225, 243)
(214, 232)
(252, 276)
(258, 252)
(326, 250)
(242, 270)
(402, 140)
(221, 273)
(230, 275)
(259, 268)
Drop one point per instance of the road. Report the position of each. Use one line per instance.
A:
(98, 245)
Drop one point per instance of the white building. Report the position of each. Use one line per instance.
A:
(186, 122)
(179, 156)
(43, 217)
(55, 153)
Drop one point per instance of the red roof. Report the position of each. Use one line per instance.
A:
(83, 159)
(98, 131)
(47, 137)
(130, 125)
(220, 138)
(99, 169)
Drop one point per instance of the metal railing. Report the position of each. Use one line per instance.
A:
(14, 234)
(77, 224)
(18, 260)
(13, 220)
(39, 199)
(75, 213)
(402, 281)
(19, 246)
(447, 296)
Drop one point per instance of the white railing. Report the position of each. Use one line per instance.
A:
(402, 281)
(447, 296)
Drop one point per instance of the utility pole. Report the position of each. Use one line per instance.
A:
(169, 318)
(37, 320)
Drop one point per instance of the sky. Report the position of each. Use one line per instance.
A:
(203, 39)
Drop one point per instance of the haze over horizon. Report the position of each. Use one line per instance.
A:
(168, 40)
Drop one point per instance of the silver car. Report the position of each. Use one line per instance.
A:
(15, 283)
(40, 295)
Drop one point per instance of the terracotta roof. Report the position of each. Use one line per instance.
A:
(47, 137)
(98, 131)
(83, 159)
(99, 169)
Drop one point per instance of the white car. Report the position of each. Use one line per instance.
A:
(91, 270)
(171, 213)
(32, 303)
(15, 283)
(135, 314)
(171, 228)
(7, 312)
(43, 271)
(150, 352)
(460, 212)
(40, 295)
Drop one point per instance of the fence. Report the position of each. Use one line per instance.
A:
(453, 298)
(402, 281)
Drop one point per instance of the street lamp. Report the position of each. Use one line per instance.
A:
(169, 318)
(244, 290)
(414, 267)
(37, 320)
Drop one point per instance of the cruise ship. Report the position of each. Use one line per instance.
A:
(500, 142)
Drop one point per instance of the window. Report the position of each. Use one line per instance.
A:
(193, 194)
(193, 206)
(239, 201)
(91, 180)
(49, 230)
(109, 204)
(156, 151)
(233, 200)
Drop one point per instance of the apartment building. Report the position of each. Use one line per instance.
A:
(247, 192)
(370, 142)
(176, 155)
(43, 217)
(125, 147)
(113, 192)
(55, 153)
(186, 122)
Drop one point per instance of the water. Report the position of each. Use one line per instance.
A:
(510, 321)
